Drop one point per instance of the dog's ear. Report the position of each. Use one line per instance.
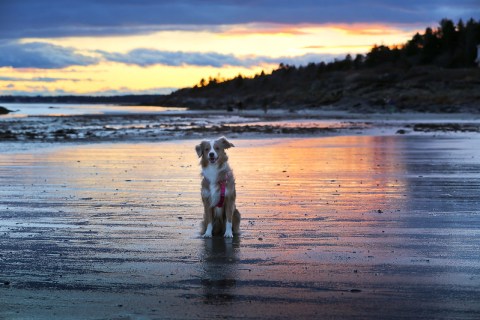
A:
(225, 143)
(199, 150)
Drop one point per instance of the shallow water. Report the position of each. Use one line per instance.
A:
(71, 123)
(66, 109)
(337, 227)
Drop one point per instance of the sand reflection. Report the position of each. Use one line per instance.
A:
(220, 269)
(328, 224)
(334, 178)
(142, 174)
(291, 177)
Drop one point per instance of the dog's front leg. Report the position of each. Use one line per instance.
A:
(229, 209)
(208, 221)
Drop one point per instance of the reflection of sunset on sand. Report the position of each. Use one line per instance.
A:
(329, 170)
(332, 227)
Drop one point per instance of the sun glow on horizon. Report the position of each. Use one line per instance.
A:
(224, 51)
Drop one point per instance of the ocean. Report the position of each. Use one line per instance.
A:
(62, 109)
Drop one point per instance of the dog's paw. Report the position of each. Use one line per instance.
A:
(228, 230)
(208, 232)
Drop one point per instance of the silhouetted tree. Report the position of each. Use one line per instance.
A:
(378, 55)
(414, 46)
(472, 39)
(348, 61)
(239, 81)
(359, 61)
(447, 35)
(431, 47)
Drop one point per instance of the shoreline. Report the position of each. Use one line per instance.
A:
(196, 124)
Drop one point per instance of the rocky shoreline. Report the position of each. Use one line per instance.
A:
(385, 89)
(184, 125)
(4, 110)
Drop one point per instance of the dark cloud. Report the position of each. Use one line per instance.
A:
(54, 18)
(149, 57)
(40, 55)
(47, 56)
(43, 91)
(306, 59)
(125, 90)
(41, 79)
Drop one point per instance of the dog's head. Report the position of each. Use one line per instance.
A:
(213, 151)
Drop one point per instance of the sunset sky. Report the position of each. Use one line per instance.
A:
(57, 47)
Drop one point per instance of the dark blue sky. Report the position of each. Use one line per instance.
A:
(54, 18)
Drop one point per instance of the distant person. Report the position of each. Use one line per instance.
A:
(240, 106)
(265, 106)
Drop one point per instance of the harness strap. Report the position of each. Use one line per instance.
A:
(223, 187)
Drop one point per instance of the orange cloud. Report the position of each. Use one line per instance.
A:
(374, 29)
(353, 46)
(368, 29)
(265, 29)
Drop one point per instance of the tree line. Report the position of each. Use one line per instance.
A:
(450, 45)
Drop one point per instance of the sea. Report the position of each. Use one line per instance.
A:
(51, 109)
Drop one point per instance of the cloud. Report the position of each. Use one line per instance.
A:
(266, 29)
(47, 56)
(41, 79)
(306, 59)
(43, 91)
(149, 57)
(352, 46)
(57, 18)
(128, 91)
(41, 55)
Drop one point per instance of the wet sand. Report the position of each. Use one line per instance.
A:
(333, 227)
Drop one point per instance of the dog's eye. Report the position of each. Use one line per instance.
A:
(217, 148)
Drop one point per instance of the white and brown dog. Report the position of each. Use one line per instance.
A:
(218, 189)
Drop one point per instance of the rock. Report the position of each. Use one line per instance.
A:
(7, 135)
(4, 110)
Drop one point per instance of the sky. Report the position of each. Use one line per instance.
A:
(113, 47)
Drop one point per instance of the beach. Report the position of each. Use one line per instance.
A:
(351, 220)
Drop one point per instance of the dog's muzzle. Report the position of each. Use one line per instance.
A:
(211, 157)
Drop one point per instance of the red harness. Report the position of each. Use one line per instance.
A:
(223, 187)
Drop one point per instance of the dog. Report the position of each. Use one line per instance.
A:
(218, 189)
